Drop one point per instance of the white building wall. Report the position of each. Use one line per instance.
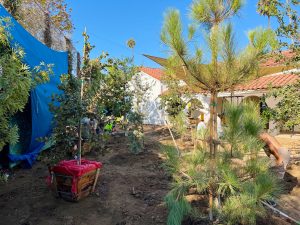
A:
(152, 113)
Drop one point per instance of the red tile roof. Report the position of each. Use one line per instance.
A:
(274, 80)
(274, 60)
(153, 72)
(261, 83)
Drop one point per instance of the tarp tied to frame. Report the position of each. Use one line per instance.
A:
(36, 52)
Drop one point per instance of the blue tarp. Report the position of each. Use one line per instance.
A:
(36, 52)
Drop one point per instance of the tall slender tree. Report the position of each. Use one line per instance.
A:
(267, 8)
(131, 44)
(226, 67)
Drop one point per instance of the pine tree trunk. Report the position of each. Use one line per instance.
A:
(213, 135)
(211, 202)
(211, 127)
(215, 128)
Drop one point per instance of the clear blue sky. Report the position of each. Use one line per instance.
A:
(111, 23)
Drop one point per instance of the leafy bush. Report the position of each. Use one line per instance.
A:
(16, 81)
(99, 96)
(179, 123)
(136, 135)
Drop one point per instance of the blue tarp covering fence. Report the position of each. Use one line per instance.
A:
(36, 52)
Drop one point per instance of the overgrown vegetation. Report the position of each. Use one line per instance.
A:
(16, 81)
(59, 12)
(100, 99)
(226, 67)
(285, 113)
(240, 180)
(288, 19)
(171, 100)
(284, 12)
(140, 90)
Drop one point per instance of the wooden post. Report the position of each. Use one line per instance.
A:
(96, 179)
(79, 142)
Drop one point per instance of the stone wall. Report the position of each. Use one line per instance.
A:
(33, 18)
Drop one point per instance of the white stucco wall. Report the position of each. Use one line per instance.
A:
(152, 113)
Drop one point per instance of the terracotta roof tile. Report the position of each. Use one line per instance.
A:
(261, 83)
(156, 73)
(275, 61)
(274, 80)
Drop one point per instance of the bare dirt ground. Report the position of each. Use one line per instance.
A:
(130, 191)
(290, 201)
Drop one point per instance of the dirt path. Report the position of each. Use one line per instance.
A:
(290, 201)
(130, 191)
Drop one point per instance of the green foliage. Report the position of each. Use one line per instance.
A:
(226, 68)
(172, 163)
(286, 111)
(211, 12)
(16, 81)
(131, 43)
(178, 207)
(171, 100)
(247, 204)
(59, 12)
(3, 177)
(117, 94)
(241, 209)
(105, 96)
(242, 185)
(287, 16)
(288, 19)
(172, 103)
(229, 182)
(257, 166)
(243, 126)
(67, 110)
(136, 135)
(179, 123)
(140, 94)
(264, 40)
(12, 7)
(267, 8)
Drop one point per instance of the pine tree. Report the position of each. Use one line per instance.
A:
(226, 68)
(239, 185)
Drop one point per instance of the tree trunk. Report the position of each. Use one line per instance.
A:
(210, 194)
(47, 31)
(213, 135)
(70, 55)
(215, 128)
(211, 127)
